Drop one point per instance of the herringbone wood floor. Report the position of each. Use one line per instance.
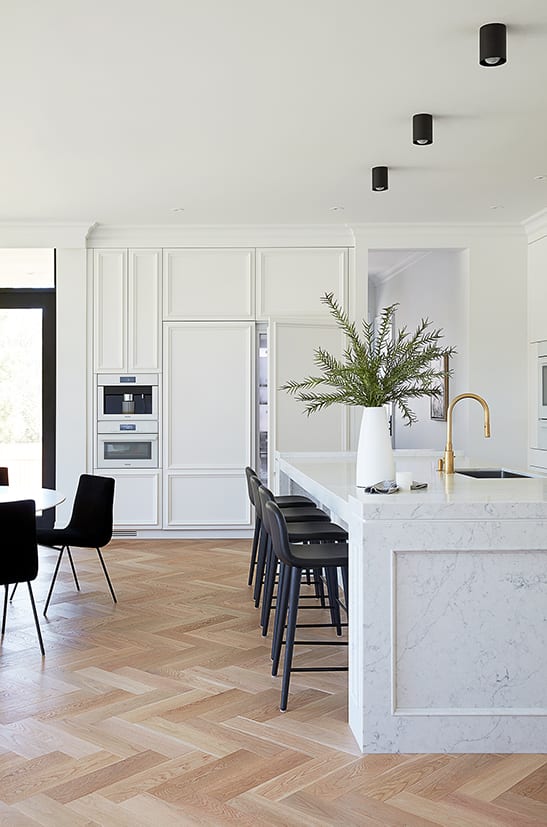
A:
(161, 711)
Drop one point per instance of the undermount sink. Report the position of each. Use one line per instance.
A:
(489, 473)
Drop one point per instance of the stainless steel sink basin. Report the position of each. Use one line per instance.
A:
(489, 473)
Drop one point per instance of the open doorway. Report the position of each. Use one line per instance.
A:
(27, 368)
(425, 283)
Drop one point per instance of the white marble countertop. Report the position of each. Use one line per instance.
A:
(331, 477)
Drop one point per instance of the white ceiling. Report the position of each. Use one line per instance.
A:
(253, 111)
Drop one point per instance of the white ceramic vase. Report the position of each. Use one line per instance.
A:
(374, 453)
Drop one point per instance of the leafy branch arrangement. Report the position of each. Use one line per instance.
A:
(377, 368)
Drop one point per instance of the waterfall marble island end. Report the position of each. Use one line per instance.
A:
(448, 596)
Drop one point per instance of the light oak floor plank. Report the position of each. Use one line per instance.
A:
(161, 711)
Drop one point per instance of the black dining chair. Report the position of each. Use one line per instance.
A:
(4, 476)
(90, 526)
(19, 556)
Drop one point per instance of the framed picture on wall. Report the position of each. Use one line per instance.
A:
(439, 404)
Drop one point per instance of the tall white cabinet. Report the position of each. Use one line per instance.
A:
(127, 305)
(127, 311)
(208, 423)
(190, 314)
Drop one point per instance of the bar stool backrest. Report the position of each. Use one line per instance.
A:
(277, 529)
(254, 486)
(250, 474)
(264, 496)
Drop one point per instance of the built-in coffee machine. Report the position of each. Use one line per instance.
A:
(129, 396)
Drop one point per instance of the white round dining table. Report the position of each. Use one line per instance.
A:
(43, 497)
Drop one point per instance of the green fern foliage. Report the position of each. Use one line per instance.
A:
(378, 366)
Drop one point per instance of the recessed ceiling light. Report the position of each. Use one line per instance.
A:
(336, 209)
(540, 177)
(177, 209)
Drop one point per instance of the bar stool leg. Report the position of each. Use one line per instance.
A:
(345, 584)
(332, 586)
(280, 615)
(254, 551)
(269, 583)
(294, 595)
(260, 564)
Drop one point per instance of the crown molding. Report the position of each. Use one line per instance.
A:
(535, 226)
(237, 235)
(21, 234)
(296, 235)
(430, 235)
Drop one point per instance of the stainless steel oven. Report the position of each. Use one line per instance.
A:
(127, 445)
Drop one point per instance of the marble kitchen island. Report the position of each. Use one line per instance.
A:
(447, 605)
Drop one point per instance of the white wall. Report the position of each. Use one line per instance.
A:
(72, 374)
(537, 328)
(434, 287)
(497, 324)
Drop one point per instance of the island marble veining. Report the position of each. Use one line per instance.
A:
(448, 606)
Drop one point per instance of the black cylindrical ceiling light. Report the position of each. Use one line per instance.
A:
(422, 129)
(379, 179)
(492, 44)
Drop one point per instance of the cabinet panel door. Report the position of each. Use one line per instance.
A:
(207, 499)
(291, 282)
(136, 498)
(110, 300)
(208, 381)
(291, 357)
(208, 284)
(144, 310)
(537, 290)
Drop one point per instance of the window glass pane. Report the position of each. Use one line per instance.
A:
(21, 395)
(27, 268)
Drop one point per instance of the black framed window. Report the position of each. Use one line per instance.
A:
(28, 387)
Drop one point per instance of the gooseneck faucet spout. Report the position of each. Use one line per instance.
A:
(449, 450)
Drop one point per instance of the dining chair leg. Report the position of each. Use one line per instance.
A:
(106, 575)
(13, 591)
(294, 595)
(50, 592)
(5, 608)
(33, 604)
(73, 568)
(252, 564)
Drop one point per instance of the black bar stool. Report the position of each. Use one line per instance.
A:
(295, 559)
(299, 532)
(284, 501)
(292, 514)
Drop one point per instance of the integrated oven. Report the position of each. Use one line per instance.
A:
(127, 445)
(127, 397)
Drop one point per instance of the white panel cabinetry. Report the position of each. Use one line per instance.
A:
(537, 290)
(127, 310)
(136, 498)
(208, 284)
(290, 282)
(209, 429)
